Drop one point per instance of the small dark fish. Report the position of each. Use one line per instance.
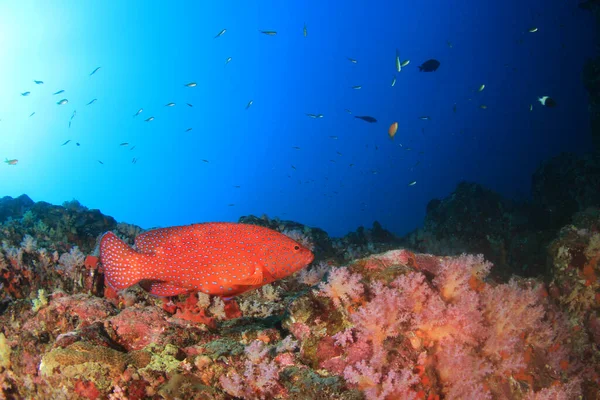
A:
(66, 142)
(454, 107)
(205, 161)
(547, 101)
(296, 147)
(133, 147)
(25, 93)
(59, 92)
(134, 161)
(237, 187)
(100, 162)
(231, 205)
(91, 102)
(429, 66)
(189, 104)
(94, 71)
(366, 118)
(188, 129)
(294, 168)
(338, 153)
(77, 144)
(268, 33)
(38, 82)
(31, 115)
(124, 144)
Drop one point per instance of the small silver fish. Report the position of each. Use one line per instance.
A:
(413, 183)
(170, 105)
(138, 112)
(62, 102)
(149, 119)
(220, 33)
(191, 84)
(249, 104)
(227, 60)
(59, 92)
(94, 71)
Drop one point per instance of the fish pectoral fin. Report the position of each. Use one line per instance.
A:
(162, 288)
(255, 279)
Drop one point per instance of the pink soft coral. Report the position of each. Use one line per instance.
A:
(342, 287)
(377, 386)
(379, 319)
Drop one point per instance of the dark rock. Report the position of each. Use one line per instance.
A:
(14, 208)
(564, 185)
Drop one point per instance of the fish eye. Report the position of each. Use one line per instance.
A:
(296, 247)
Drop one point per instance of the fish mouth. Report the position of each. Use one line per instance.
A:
(310, 257)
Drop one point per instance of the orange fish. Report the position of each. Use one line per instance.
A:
(392, 130)
(217, 258)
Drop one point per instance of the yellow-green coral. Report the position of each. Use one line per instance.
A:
(4, 352)
(40, 302)
(164, 361)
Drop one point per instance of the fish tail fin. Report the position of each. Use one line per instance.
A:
(121, 263)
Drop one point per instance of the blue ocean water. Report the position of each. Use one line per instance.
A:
(148, 51)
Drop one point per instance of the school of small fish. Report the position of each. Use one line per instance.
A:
(401, 66)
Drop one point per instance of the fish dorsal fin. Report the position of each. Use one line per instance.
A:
(255, 279)
(148, 241)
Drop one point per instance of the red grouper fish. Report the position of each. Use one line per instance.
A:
(220, 258)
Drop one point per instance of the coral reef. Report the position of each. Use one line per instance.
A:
(368, 320)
